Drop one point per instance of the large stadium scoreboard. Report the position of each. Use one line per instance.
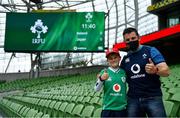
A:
(55, 32)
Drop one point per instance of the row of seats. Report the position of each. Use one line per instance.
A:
(52, 95)
(171, 91)
(96, 101)
(52, 108)
(14, 109)
(41, 83)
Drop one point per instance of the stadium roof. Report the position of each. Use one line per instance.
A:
(165, 34)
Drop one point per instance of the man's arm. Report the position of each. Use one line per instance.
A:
(162, 69)
(157, 64)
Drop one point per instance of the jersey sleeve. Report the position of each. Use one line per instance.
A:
(156, 56)
(99, 83)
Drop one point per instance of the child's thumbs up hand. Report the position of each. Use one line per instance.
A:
(150, 67)
(105, 75)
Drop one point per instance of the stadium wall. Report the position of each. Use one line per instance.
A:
(51, 73)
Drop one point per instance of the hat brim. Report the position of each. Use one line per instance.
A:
(112, 53)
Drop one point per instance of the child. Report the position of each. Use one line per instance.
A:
(113, 81)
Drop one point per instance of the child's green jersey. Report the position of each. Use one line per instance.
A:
(114, 90)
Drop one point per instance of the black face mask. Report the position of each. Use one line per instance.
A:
(133, 45)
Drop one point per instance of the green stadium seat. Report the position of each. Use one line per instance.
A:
(166, 96)
(86, 99)
(57, 105)
(174, 90)
(4, 101)
(22, 110)
(56, 97)
(41, 102)
(168, 107)
(38, 115)
(164, 89)
(176, 99)
(46, 107)
(62, 109)
(98, 94)
(62, 98)
(48, 103)
(69, 109)
(52, 104)
(50, 109)
(8, 104)
(36, 101)
(92, 93)
(50, 97)
(100, 102)
(87, 111)
(45, 116)
(25, 111)
(79, 93)
(79, 99)
(55, 110)
(85, 93)
(169, 85)
(94, 100)
(97, 113)
(74, 98)
(15, 106)
(18, 109)
(31, 113)
(77, 110)
(68, 98)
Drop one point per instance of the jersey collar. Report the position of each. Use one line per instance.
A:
(115, 70)
(139, 48)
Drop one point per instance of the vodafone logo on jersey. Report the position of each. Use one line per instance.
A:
(116, 87)
(135, 68)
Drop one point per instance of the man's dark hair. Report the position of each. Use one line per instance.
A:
(129, 30)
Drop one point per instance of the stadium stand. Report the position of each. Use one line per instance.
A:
(70, 96)
(63, 96)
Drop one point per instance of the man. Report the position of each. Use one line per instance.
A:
(113, 81)
(143, 65)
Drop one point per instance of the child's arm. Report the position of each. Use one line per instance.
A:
(100, 80)
(98, 85)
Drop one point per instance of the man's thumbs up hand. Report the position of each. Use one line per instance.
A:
(150, 67)
(150, 61)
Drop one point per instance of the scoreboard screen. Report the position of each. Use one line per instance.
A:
(55, 32)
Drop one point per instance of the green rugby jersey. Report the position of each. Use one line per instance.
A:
(114, 90)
